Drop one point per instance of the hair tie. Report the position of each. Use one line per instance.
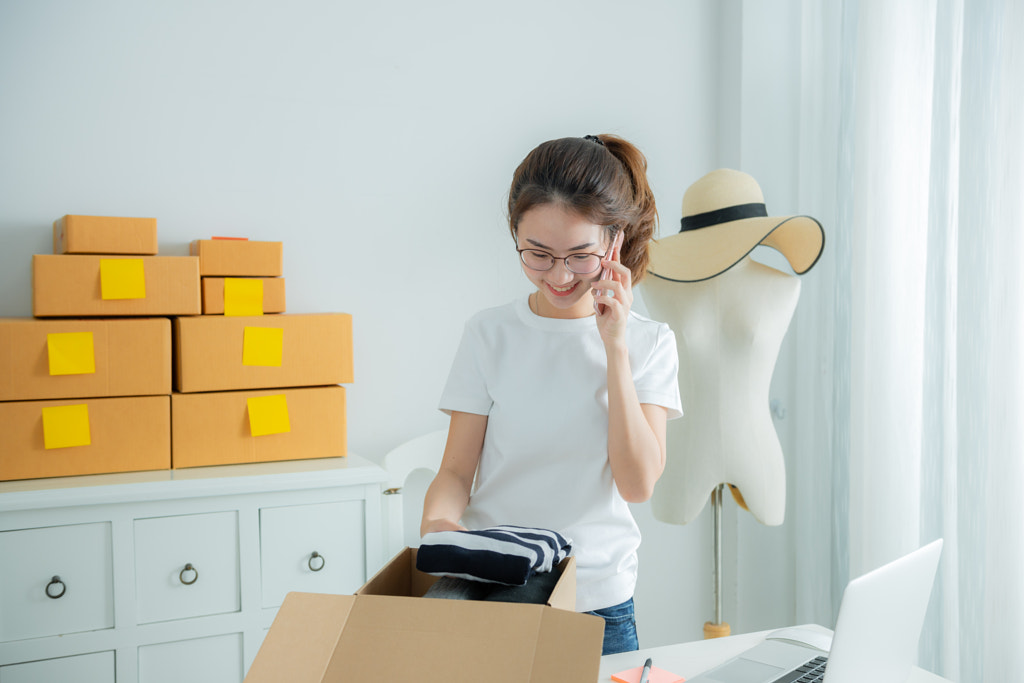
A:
(593, 138)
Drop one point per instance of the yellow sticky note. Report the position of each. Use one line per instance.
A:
(243, 296)
(70, 353)
(268, 415)
(122, 278)
(65, 426)
(263, 346)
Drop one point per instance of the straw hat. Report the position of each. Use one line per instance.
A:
(724, 218)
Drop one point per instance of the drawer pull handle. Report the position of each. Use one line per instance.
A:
(313, 558)
(63, 588)
(189, 568)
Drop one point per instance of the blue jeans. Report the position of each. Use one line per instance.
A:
(619, 628)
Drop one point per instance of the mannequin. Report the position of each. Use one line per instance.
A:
(728, 330)
(729, 314)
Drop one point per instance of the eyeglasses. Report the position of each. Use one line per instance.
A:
(580, 264)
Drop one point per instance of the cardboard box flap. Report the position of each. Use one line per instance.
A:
(393, 638)
(563, 596)
(568, 647)
(399, 577)
(303, 638)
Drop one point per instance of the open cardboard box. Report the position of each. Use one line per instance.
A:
(388, 632)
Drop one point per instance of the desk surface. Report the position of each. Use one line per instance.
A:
(690, 659)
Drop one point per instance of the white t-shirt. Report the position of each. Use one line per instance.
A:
(542, 382)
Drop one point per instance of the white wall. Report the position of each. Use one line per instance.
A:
(376, 140)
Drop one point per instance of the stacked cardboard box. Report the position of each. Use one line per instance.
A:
(230, 287)
(107, 266)
(87, 392)
(253, 387)
(86, 383)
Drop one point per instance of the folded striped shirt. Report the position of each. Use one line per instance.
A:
(500, 554)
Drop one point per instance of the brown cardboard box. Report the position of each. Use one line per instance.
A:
(213, 295)
(130, 357)
(210, 352)
(386, 632)
(70, 285)
(104, 235)
(216, 428)
(125, 435)
(238, 257)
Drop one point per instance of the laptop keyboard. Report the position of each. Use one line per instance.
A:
(811, 672)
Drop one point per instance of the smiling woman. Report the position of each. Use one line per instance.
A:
(558, 409)
(560, 272)
(602, 179)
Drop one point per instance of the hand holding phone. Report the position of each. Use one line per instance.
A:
(606, 272)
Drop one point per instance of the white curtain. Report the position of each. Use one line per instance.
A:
(917, 161)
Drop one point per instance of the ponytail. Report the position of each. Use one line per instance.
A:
(640, 231)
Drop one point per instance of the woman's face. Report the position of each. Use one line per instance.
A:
(553, 229)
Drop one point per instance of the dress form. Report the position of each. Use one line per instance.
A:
(729, 330)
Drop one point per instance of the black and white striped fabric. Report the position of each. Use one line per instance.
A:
(502, 554)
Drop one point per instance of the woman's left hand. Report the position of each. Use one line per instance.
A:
(614, 302)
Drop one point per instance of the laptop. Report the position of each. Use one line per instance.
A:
(875, 639)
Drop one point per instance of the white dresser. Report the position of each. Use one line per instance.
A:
(153, 577)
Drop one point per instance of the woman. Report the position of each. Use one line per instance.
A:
(557, 411)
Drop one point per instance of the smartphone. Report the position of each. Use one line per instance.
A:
(606, 273)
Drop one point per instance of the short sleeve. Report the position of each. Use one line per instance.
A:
(657, 380)
(466, 388)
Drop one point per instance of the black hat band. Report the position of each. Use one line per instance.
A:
(726, 215)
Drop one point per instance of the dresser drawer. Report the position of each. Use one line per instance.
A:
(289, 537)
(97, 667)
(56, 580)
(186, 566)
(217, 659)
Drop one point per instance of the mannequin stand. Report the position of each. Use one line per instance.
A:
(717, 628)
